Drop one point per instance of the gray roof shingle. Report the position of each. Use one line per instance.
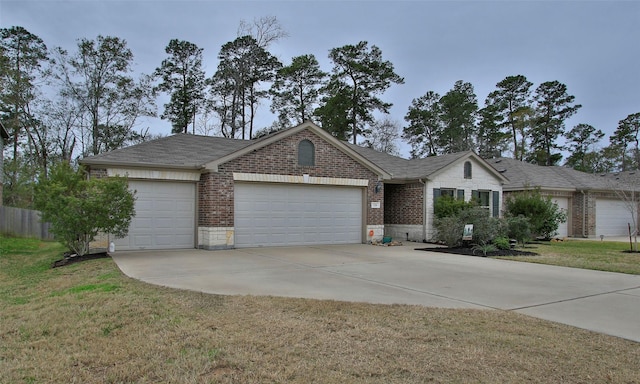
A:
(177, 151)
(524, 175)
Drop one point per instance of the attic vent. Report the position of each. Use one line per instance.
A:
(497, 161)
(631, 173)
(502, 170)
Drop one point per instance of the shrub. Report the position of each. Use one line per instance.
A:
(518, 228)
(449, 231)
(485, 227)
(78, 209)
(501, 242)
(544, 215)
(448, 206)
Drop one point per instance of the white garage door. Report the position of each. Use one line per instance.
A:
(290, 214)
(563, 204)
(611, 218)
(165, 216)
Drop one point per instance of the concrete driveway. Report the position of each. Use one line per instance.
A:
(599, 301)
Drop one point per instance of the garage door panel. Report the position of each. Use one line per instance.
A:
(270, 214)
(165, 216)
(612, 218)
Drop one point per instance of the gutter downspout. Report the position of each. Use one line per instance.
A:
(424, 210)
(584, 214)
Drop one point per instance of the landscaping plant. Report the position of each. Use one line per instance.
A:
(79, 208)
(544, 215)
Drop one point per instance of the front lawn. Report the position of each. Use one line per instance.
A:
(587, 254)
(88, 323)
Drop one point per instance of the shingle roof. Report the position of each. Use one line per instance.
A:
(524, 175)
(177, 151)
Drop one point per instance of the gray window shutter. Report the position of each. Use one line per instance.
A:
(475, 196)
(460, 194)
(496, 203)
(436, 194)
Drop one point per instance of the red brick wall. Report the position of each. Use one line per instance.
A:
(281, 158)
(403, 203)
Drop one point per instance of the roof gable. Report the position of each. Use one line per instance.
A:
(324, 135)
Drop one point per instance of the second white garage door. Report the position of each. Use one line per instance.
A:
(290, 214)
(612, 217)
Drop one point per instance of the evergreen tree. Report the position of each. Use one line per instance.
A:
(580, 140)
(424, 126)
(553, 107)
(459, 109)
(295, 90)
(359, 75)
(183, 79)
(509, 100)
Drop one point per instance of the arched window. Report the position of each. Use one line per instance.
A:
(467, 170)
(306, 154)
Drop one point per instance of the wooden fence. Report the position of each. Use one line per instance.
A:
(23, 223)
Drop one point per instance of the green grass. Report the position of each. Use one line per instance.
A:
(598, 255)
(88, 323)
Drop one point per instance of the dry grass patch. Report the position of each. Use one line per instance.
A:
(87, 323)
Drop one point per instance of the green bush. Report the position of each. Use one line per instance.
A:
(448, 206)
(502, 242)
(78, 209)
(518, 228)
(449, 229)
(544, 215)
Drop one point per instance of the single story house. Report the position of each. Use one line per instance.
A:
(592, 202)
(4, 135)
(298, 186)
(302, 186)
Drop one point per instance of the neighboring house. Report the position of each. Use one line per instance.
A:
(416, 184)
(4, 135)
(294, 187)
(592, 203)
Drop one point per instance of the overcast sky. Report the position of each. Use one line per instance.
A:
(592, 47)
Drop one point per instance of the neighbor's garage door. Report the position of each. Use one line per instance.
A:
(611, 218)
(165, 216)
(290, 214)
(563, 204)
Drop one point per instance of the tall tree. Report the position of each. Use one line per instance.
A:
(580, 140)
(511, 96)
(624, 142)
(491, 138)
(22, 58)
(295, 91)
(384, 136)
(424, 126)
(183, 78)
(553, 107)
(459, 109)
(361, 72)
(97, 78)
(243, 66)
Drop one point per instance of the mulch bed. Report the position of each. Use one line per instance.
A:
(469, 252)
(72, 259)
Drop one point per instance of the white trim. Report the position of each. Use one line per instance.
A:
(154, 174)
(268, 178)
